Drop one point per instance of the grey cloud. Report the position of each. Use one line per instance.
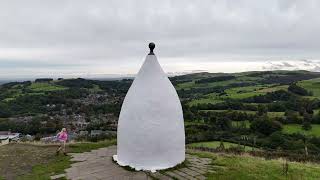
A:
(286, 64)
(117, 31)
(310, 65)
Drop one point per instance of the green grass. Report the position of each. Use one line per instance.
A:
(95, 89)
(296, 128)
(189, 85)
(311, 85)
(247, 167)
(238, 124)
(215, 144)
(36, 89)
(205, 101)
(9, 99)
(246, 111)
(59, 163)
(186, 85)
(88, 146)
(275, 114)
(43, 87)
(270, 114)
(275, 88)
(212, 98)
(234, 93)
(44, 171)
(243, 92)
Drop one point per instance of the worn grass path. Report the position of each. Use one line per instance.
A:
(37, 161)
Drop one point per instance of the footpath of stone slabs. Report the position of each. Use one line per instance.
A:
(98, 165)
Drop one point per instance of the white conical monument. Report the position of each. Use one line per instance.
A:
(151, 128)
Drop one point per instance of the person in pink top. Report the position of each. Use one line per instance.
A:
(62, 138)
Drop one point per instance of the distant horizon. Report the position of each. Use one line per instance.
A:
(212, 67)
(72, 38)
(172, 68)
(124, 76)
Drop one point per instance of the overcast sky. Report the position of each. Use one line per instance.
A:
(92, 38)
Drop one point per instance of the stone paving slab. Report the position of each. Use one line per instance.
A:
(190, 172)
(158, 175)
(98, 165)
(59, 176)
(195, 169)
(174, 175)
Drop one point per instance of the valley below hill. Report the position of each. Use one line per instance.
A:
(267, 114)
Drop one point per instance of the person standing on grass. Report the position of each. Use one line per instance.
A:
(62, 138)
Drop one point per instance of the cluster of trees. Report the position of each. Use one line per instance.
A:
(227, 104)
(27, 105)
(294, 88)
(214, 79)
(265, 126)
(280, 95)
(288, 78)
(38, 125)
(193, 93)
(31, 103)
(43, 80)
(259, 74)
(119, 86)
(267, 132)
(278, 101)
(76, 83)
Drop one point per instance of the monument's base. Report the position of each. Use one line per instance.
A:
(137, 168)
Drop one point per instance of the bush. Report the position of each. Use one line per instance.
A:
(265, 126)
(298, 90)
(236, 149)
(306, 126)
(215, 79)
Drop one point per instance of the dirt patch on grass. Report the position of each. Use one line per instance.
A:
(18, 159)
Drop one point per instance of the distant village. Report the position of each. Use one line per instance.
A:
(79, 123)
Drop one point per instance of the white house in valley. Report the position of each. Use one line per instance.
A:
(7, 136)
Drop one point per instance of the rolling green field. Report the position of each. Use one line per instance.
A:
(275, 114)
(311, 85)
(212, 98)
(33, 89)
(243, 92)
(274, 88)
(238, 124)
(296, 128)
(244, 167)
(233, 93)
(215, 144)
(192, 84)
(270, 114)
(43, 87)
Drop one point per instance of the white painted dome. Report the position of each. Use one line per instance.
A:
(151, 127)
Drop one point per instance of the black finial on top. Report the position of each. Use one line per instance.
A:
(151, 47)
